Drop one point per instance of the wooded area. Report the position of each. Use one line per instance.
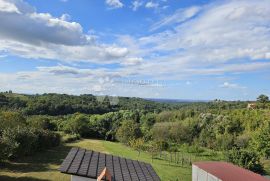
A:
(30, 123)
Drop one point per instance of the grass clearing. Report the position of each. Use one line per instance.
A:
(44, 166)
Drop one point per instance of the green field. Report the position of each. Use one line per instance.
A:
(44, 166)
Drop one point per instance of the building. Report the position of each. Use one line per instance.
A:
(222, 171)
(87, 165)
(251, 106)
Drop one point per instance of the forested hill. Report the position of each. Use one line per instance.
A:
(62, 104)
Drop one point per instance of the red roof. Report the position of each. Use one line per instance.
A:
(229, 172)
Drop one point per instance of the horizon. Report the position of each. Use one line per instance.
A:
(162, 99)
(150, 49)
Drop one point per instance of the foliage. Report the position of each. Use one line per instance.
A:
(67, 138)
(246, 159)
(11, 119)
(129, 130)
(2, 150)
(21, 141)
(41, 122)
(263, 99)
(217, 125)
(261, 141)
(46, 139)
(137, 144)
(77, 124)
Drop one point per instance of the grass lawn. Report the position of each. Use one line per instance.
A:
(44, 166)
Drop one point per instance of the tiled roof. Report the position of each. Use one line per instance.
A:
(87, 163)
(229, 172)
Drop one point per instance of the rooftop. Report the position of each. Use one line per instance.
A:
(229, 172)
(88, 163)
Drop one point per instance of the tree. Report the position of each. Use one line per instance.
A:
(263, 99)
(78, 124)
(129, 130)
(137, 144)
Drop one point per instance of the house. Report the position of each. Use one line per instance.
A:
(251, 106)
(222, 171)
(87, 165)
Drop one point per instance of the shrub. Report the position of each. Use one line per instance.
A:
(246, 159)
(47, 139)
(71, 137)
(41, 122)
(261, 141)
(78, 124)
(2, 150)
(11, 120)
(19, 141)
(22, 141)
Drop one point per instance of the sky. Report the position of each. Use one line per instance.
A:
(174, 49)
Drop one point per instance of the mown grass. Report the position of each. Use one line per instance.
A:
(44, 166)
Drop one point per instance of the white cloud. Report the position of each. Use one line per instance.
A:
(65, 17)
(231, 85)
(9, 7)
(49, 37)
(151, 4)
(131, 61)
(71, 80)
(114, 3)
(179, 16)
(44, 28)
(136, 4)
(225, 37)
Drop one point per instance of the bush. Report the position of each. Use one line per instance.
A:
(22, 141)
(261, 141)
(2, 150)
(11, 120)
(47, 139)
(242, 141)
(71, 137)
(19, 141)
(246, 159)
(78, 124)
(41, 122)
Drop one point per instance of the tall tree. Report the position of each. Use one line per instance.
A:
(263, 98)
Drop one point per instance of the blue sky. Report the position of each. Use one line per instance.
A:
(179, 49)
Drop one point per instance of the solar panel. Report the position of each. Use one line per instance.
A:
(87, 163)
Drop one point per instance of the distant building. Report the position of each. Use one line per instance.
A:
(87, 165)
(222, 171)
(251, 106)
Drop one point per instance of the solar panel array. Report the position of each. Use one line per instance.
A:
(90, 164)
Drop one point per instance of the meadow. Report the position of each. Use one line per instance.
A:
(43, 166)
